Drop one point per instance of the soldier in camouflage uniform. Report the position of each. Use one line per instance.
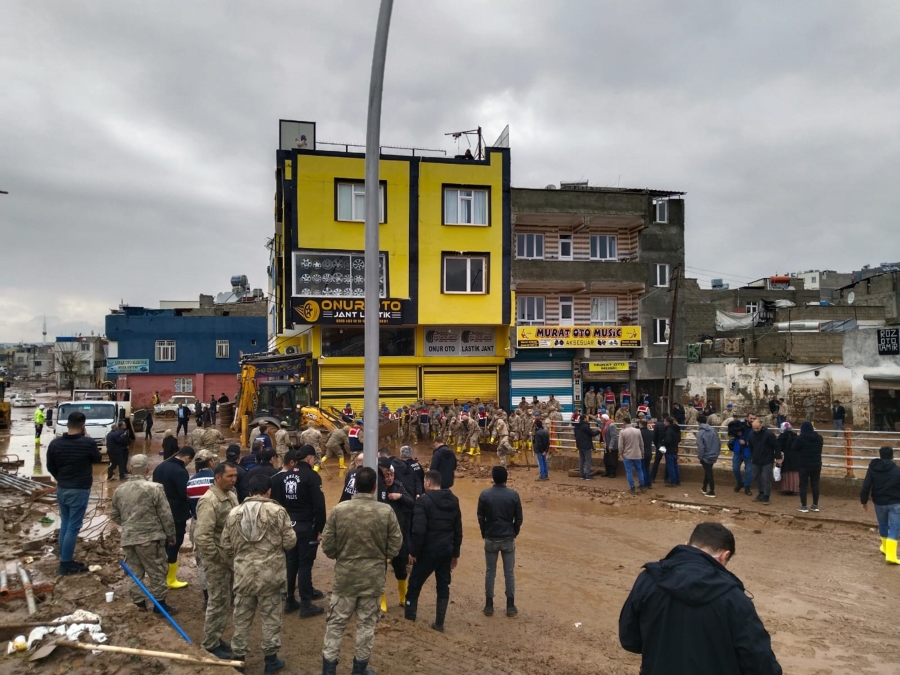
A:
(473, 436)
(140, 507)
(212, 439)
(255, 536)
(282, 443)
(212, 511)
(360, 535)
(312, 436)
(590, 401)
(337, 444)
(556, 423)
(501, 429)
(197, 437)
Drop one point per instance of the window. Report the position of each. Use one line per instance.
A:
(465, 274)
(183, 385)
(662, 210)
(565, 247)
(465, 207)
(351, 202)
(350, 341)
(603, 311)
(603, 247)
(165, 350)
(320, 274)
(530, 310)
(530, 246)
(660, 331)
(752, 307)
(566, 310)
(661, 274)
(221, 349)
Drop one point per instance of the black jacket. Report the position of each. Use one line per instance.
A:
(405, 470)
(764, 447)
(444, 461)
(437, 526)
(647, 437)
(265, 468)
(809, 450)
(671, 438)
(69, 460)
(117, 442)
(173, 476)
(883, 481)
(678, 414)
(584, 435)
(242, 483)
(837, 413)
(403, 507)
(349, 486)
(170, 446)
(499, 513)
(304, 500)
(541, 441)
(787, 445)
(688, 614)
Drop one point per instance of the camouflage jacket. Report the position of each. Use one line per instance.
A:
(282, 440)
(312, 437)
(197, 438)
(338, 440)
(501, 429)
(256, 535)
(360, 535)
(211, 439)
(141, 508)
(212, 510)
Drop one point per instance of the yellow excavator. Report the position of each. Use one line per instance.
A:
(5, 419)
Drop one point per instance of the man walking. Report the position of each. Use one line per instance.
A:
(256, 535)
(541, 445)
(708, 448)
(212, 510)
(584, 442)
(647, 439)
(141, 509)
(69, 460)
(688, 614)
(117, 451)
(360, 536)
(632, 444)
(763, 453)
(213, 408)
(837, 416)
(172, 474)
(435, 541)
(299, 490)
(444, 462)
(883, 484)
(184, 416)
(500, 519)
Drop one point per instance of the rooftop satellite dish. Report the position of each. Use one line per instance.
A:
(550, 187)
(851, 296)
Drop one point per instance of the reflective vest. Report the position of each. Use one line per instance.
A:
(576, 416)
(610, 397)
(348, 411)
(353, 436)
(482, 418)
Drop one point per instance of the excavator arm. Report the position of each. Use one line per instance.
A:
(245, 406)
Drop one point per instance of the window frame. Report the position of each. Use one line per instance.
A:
(179, 388)
(615, 313)
(161, 348)
(752, 303)
(223, 353)
(445, 187)
(571, 241)
(659, 337)
(664, 203)
(484, 257)
(526, 235)
(615, 239)
(296, 271)
(355, 182)
(567, 300)
(656, 270)
(531, 322)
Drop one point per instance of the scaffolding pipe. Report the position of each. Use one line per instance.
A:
(29, 591)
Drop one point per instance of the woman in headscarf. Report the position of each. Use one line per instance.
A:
(169, 444)
(808, 447)
(790, 469)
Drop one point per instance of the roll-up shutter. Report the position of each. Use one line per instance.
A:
(339, 385)
(464, 383)
(541, 378)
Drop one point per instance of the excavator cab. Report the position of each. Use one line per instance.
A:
(282, 400)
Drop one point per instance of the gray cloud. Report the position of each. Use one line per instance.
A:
(138, 138)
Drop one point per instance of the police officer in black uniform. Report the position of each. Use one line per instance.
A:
(409, 471)
(299, 491)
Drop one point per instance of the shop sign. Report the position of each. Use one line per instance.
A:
(889, 341)
(340, 311)
(607, 366)
(127, 366)
(460, 341)
(590, 337)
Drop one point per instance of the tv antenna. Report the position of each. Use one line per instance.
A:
(479, 148)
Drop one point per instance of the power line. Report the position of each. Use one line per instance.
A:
(728, 274)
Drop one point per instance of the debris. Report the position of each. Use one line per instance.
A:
(142, 652)
(37, 624)
(71, 626)
(578, 625)
(95, 568)
(29, 591)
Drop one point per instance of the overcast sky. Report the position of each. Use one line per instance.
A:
(137, 139)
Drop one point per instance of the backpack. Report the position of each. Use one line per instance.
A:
(735, 427)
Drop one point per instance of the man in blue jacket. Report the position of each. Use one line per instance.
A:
(740, 433)
(688, 614)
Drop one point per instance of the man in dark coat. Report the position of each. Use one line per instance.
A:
(584, 441)
(172, 474)
(763, 453)
(117, 451)
(675, 613)
(444, 462)
(409, 472)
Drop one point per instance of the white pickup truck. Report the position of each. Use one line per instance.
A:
(103, 409)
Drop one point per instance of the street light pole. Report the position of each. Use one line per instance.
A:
(373, 217)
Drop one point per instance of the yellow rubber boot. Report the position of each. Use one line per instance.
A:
(401, 590)
(471, 452)
(384, 602)
(890, 552)
(171, 577)
(341, 464)
(883, 544)
(317, 468)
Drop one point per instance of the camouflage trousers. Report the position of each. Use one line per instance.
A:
(280, 452)
(270, 608)
(218, 584)
(335, 451)
(504, 450)
(148, 560)
(340, 611)
(200, 573)
(475, 440)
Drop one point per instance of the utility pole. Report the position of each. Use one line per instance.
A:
(668, 388)
(373, 216)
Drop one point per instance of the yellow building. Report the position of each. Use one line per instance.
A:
(445, 255)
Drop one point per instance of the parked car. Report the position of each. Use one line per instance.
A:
(23, 400)
(170, 408)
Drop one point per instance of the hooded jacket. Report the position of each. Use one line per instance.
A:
(584, 435)
(444, 461)
(688, 614)
(764, 447)
(808, 447)
(437, 526)
(708, 444)
(255, 536)
(883, 481)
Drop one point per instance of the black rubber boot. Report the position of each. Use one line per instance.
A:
(439, 614)
(409, 610)
(488, 606)
(361, 668)
(307, 609)
(511, 607)
(291, 604)
(273, 664)
(220, 653)
(169, 609)
(329, 667)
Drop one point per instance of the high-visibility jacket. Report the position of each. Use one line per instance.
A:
(482, 418)
(355, 440)
(39, 416)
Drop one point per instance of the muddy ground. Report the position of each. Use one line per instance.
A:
(818, 582)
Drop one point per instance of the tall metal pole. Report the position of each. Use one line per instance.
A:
(373, 213)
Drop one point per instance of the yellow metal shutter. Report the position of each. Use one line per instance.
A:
(398, 386)
(464, 383)
(339, 385)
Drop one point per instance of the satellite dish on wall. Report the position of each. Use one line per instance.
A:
(851, 296)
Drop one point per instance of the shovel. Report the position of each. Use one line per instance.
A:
(47, 649)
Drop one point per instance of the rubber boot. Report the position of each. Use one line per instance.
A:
(341, 464)
(384, 602)
(440, 614)
(361, 668)
(171, 611)
(471, 452)
(488, 606)
(883, 545)
(401, 591)
(329, 667)
(409, 609)
(511, 607)
(890, 554)
(172, 577)
(459, 449)
(273, 664)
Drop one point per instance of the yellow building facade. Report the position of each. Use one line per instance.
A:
(444, 244)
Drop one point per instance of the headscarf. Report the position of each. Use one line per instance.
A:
(786, 426)
(806, 429)
(168, 433)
